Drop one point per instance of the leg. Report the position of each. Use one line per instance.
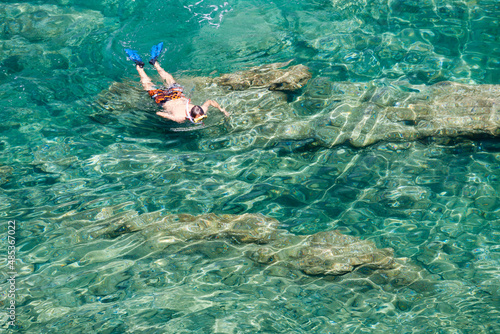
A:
(145, 80)
(169, 79)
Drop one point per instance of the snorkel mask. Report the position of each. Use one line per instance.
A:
(190, 118)
(199, 118)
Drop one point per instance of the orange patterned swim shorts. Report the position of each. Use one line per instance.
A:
(164, 95)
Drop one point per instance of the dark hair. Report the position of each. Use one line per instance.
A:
(196, 111)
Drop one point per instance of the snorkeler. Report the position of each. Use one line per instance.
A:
(176, 106)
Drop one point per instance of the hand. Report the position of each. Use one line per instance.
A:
(225, 112)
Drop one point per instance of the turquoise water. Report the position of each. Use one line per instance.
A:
(81, 147)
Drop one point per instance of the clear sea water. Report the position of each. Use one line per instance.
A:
(70, 161)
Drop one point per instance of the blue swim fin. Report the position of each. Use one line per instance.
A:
(155, 52)
(134, 56)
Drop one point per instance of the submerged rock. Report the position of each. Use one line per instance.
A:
(121, 96)
(272, 76)
(5, 173)
(361, 114)
(333, 113)
(126, 95)
(323, 253)
(451, 109)
(39, 40)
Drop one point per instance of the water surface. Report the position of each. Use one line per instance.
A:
(71, 161)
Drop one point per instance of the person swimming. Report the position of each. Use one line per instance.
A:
(176, 106)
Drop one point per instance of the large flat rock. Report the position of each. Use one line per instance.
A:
(390, 113)
(361, 114)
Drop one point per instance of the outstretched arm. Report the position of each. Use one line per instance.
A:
(212, 103)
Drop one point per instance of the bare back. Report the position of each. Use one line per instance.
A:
(176, 110)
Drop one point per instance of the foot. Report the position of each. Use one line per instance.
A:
(155, 52)
(134, 56)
